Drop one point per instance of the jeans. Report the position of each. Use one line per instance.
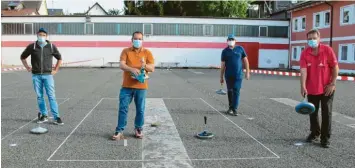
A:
(125, 98)
(46, 81)
(326, 106)
(233, 88)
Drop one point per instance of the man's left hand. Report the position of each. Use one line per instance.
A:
(247, 75)
(329, 89)
(54, 72)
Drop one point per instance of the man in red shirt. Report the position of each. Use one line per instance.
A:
(319, 71)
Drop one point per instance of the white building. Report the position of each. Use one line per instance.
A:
(191, 42)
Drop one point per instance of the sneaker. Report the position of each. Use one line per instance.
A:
(229, 111)
(42, 119)
(312, 138)
(117, 136)
(39, 116)
(138, 133)
(235, 113)
(324, 143)
(58, 121)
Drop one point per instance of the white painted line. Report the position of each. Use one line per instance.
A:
(74, 129)
(180, 98)
(155, 160)
(241, 129)
(340, 118)
(27, 98)
(30, 122)
(162, 142)
(175, 98)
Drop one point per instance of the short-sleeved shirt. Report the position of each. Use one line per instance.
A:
(318, 68)
(133, 59)
(233, 62)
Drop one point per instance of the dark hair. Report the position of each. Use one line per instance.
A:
(137, 32)
(313, 31)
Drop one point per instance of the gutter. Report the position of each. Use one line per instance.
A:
(331, 24)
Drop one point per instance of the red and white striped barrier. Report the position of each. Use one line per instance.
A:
(282, 73)
(13, 69)
(63, 64)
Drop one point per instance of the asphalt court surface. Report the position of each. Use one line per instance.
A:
(266, 134)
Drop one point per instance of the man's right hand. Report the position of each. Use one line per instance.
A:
(29, 69)
(303, 91)
(221, 80)
(135, 71)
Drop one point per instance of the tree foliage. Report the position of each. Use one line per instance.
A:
(236, 8)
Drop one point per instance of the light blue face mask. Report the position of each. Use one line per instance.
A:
(313, 43)
(137, 43)
(41, 39)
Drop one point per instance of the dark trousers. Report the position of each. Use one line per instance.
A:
(326, 107)
(233, 88)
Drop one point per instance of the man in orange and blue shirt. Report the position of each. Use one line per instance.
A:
(131, 61)
(319, 71)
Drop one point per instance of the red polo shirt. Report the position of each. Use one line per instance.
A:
(319, 72)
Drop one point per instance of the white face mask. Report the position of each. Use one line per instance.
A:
(231, 43)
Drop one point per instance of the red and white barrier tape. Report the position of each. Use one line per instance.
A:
(63, 64)
(13, 69)
(282, 73)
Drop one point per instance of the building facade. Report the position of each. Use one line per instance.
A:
(318, 15)
(190, 42)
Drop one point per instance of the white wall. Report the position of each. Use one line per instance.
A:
(272, 58)
(101, 56)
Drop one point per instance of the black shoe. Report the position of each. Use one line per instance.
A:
(39, 116)
(312, 138)
(42, 119)
(324, 143)
(58, 121)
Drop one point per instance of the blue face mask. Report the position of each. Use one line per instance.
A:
(313, 43)
(137, 43)
(41, 39)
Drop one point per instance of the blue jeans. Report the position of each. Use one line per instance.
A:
(46, 81)
(125, 99)
(233, 88)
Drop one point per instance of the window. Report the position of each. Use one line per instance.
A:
(89, 28)
(347, 53)
(296, 52)
(344, 53)
(295, 24)
(299, 24)
(347, 15)
(321, 19)
(277, 31)
(147, 29)
(263, 31)
(317, 20)
(327, 18)
(207, 30)
(28, 28)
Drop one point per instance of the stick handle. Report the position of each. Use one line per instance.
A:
(205, 120)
